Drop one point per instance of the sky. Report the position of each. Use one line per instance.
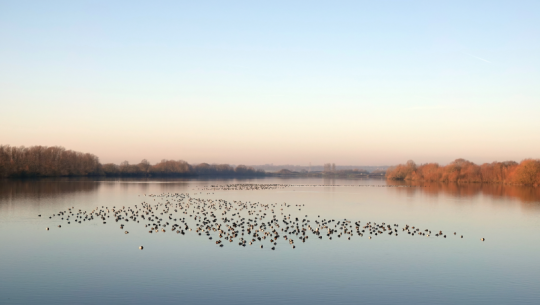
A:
(282, 82)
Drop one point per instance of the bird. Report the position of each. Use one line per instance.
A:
(254, 221)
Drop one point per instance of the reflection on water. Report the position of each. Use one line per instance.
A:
(530, 196)
(42, 188)
(21, 188)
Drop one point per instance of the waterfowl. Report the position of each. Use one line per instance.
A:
(232, 226)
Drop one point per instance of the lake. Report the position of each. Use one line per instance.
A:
(96, 263)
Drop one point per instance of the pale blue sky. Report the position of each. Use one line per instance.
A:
(350, 82)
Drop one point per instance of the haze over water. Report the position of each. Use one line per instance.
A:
(91, 262)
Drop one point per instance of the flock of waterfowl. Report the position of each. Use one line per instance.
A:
(246, 223)
(258, 187)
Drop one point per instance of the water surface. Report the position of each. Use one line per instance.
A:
(92, 263)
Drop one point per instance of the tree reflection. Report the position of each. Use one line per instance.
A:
(40, 188)
(524, 194)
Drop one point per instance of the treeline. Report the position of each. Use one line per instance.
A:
(43, 161)
(462, 171)
(172, 168)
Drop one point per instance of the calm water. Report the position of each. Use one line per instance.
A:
(95, 263)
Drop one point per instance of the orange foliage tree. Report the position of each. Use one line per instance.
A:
(462, 171)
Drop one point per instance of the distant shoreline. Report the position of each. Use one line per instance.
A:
(198, 176)
(56, 161)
